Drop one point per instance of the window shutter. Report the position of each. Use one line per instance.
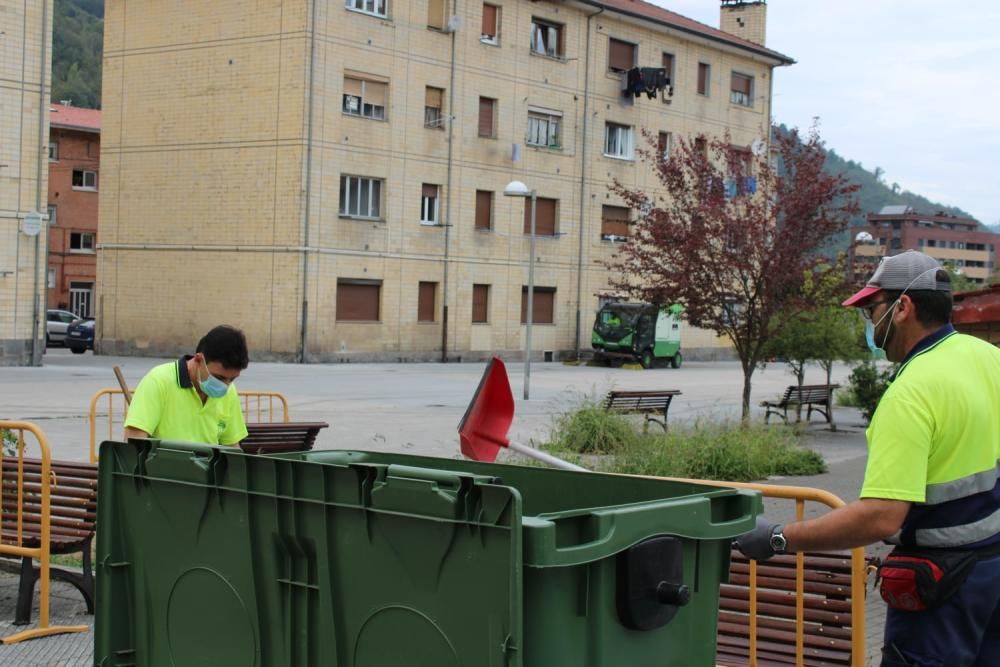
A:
(489, 20)
(484, 209)
(486, 117)
(480, 303)
(614, 220)
(740, 83)
(434, 97)
(375, 93)
(429, 190)
(621, 55)
(543, 305)
(545, 216)
(703, 78)
(435, 13)
(425, 302)
(358, 301)
(352, 86)
(668, 64)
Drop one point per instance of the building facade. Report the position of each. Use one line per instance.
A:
(74, 182)
(960, 242)
(25, 86)
(329, 175)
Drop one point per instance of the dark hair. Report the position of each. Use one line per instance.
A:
(933, 306)
(226, 345)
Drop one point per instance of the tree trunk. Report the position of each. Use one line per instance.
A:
(747, 375)
(800, 375)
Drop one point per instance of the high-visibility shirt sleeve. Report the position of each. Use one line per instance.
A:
(146, 408)
(899, 447)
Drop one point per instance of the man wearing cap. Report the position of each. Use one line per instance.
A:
(932, 482)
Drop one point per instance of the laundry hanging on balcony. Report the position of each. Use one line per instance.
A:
(649, 80)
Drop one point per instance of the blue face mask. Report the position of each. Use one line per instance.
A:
(213, 387)
(877, 349)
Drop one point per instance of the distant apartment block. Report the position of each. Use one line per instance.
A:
(25, 87)
(329, 175)
(959, 241)
(74, 182)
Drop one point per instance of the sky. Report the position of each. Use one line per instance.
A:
(905, 85)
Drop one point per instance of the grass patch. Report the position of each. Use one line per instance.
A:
(845, 398)
(724, 450)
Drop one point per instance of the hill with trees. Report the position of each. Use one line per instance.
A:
(77, 48)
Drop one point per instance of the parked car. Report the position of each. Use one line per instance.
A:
(56, 323)
(80, 336)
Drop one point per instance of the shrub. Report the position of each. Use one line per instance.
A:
(867, 384)
(591, 429)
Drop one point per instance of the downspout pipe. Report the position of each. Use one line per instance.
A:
(448, 188)
(307, 204)
(583, 186)
(43, 110)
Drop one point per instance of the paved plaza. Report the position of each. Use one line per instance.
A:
(407, 408)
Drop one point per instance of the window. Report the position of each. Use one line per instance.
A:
(543, 127)
(618, 141)
(52, 278)
(430, 198)
(480, 304)
(81, 299)
(545, 216)
(614, 223)
(621, 55)
(373, 7)
(668, 64)
(487, 117)
(663, 143)
(741, 90)
(53, 215)
(358, 300)
(490, 33)
(433, 107)
(53, 151)
(81, 242)
(365, 95)
(484, 210)
(361, 197)
(546, 38)
(704, 76)
(84, 179)
(436, 14)
(426, 294)
(701, 146)
(543, 305)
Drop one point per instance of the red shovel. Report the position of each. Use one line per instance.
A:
(483, 429)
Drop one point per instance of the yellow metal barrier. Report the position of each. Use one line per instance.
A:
(16, 492)
(801, 495)
(258, 406)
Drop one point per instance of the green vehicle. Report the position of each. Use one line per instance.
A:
(649, 333)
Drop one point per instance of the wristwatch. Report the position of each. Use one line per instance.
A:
(778, 542)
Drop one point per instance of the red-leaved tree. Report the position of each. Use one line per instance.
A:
(733, 237)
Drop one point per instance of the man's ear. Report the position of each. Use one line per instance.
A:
(905, 309)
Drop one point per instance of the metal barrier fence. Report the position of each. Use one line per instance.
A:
(256, 406)
(801, 495)
(21, 499)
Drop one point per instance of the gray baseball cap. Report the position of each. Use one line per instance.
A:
(910, 270)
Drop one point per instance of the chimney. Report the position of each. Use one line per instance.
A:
(745, 18)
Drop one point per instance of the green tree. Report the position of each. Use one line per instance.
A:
(959, 281)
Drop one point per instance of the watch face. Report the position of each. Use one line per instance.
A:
(778, 543)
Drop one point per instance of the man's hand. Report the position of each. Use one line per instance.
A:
(757, 543)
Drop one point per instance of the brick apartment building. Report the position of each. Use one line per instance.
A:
(74, 168)
(947, 238)
(329, 175)
(25, 88)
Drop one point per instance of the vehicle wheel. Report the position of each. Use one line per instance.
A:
(647, 359)
(78, 350)
(616, 362)
(675, 361)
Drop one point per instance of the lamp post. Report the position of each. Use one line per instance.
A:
(519, 189)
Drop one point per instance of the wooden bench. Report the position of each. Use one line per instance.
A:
(73, 522)
(817, 397)
(649, 403)
(826, 604)
(277, 437)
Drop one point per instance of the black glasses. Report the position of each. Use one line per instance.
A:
(868, 311)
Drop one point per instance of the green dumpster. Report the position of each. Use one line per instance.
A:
(208, 556)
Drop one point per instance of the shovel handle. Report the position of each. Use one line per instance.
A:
(124, 385)
(545, 458)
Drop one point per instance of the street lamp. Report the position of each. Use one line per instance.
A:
(519, 189)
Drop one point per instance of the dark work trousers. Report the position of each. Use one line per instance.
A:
(963, 632)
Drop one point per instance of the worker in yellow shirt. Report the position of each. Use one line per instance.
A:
(194, 399)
